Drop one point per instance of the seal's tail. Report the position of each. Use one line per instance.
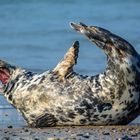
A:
(105, 40)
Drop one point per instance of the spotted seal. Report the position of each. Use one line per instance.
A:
(63, 97)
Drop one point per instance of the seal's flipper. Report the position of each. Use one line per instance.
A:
(65, 67)
(113, 45)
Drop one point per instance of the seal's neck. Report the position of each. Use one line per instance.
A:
(10, 87)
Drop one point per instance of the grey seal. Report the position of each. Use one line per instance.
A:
(64, 97)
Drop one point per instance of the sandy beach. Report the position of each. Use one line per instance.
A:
(131, 132)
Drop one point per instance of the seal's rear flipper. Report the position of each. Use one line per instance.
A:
(113, 45)
(65, 67)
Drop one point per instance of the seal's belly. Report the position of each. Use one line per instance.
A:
(80, 113)
(73, 102)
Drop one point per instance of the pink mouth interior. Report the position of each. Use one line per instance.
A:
(4, 76)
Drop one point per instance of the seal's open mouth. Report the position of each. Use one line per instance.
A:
(4, 78)
(4, 75)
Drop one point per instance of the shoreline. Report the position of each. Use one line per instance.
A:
(72, 132)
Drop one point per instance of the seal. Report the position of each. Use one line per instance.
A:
(63, 97)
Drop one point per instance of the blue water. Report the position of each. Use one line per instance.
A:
(35, 34)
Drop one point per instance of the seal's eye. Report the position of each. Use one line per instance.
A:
(4, 75)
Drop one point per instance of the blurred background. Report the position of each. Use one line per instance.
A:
(35, 34)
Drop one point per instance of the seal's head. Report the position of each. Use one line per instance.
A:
(114, 46)
(7, 71)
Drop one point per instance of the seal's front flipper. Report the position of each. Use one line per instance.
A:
(65, 67)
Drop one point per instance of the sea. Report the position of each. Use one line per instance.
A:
(35, 35)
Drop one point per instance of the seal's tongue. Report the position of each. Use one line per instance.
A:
(4, 76)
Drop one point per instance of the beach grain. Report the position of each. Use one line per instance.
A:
(71, 133)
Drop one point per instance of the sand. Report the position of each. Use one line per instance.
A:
(72, 133)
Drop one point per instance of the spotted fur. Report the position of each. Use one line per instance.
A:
(112, 97)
